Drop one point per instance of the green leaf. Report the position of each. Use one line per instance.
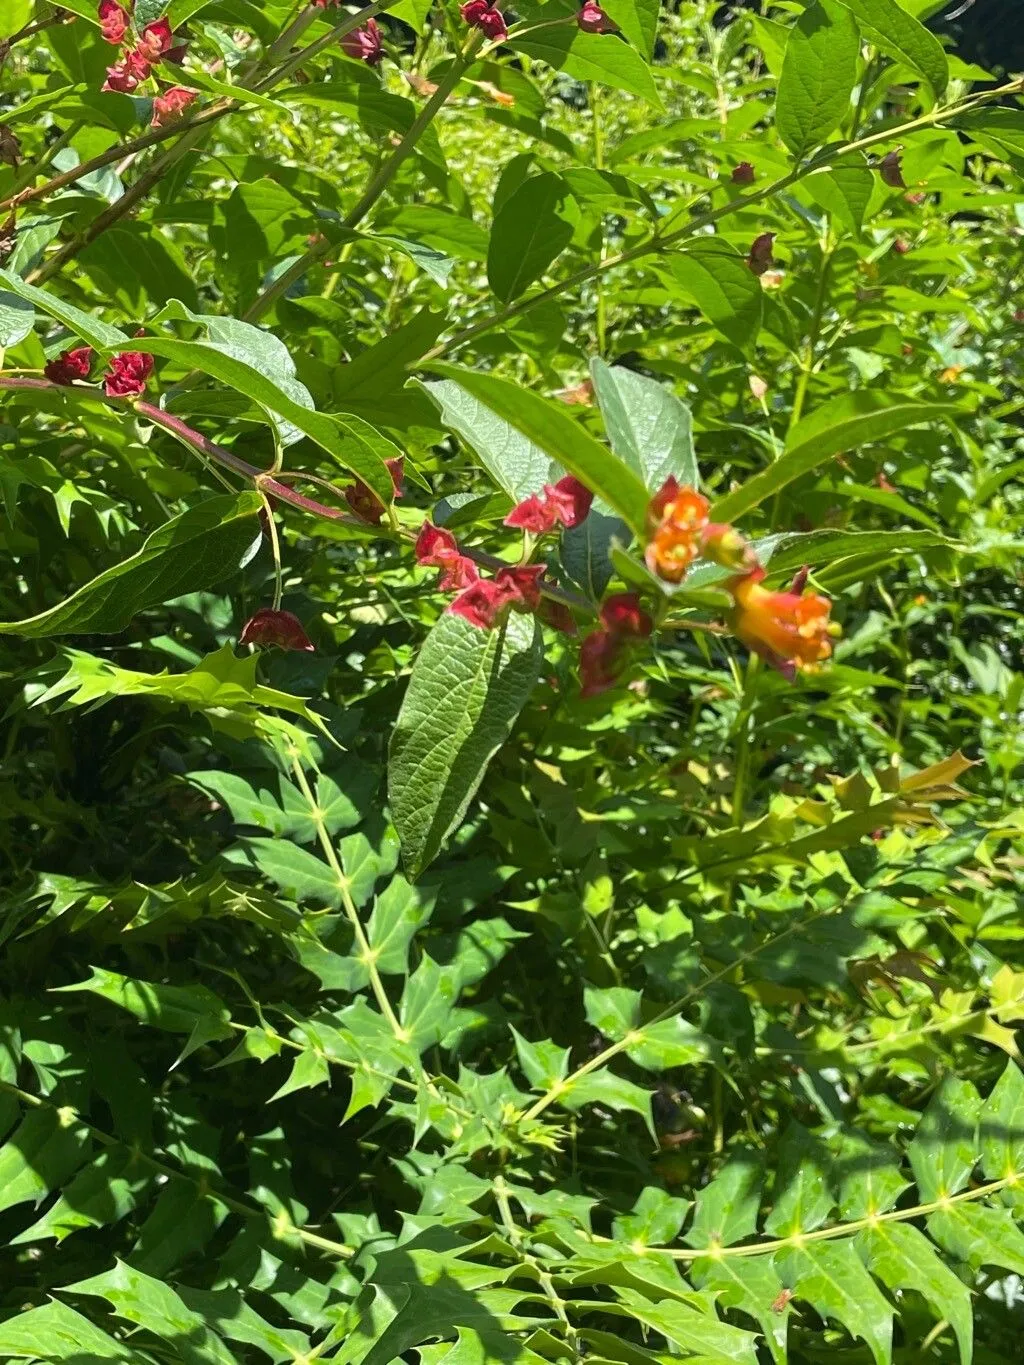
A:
(102, 1193)
(751, 1284)
(152, 1304)
(513, 461)
(15, 16)
(178, 1009)
(638, 20)
(698, 1333)
(844, 191)
(531, 229)
(818, 76)
(1000, 131)
(40, 1155)
(342, 438)
(945, 1146)
(17, 318)
(427, 1002)
(399, 912)
(547, 425)
(870, 1177)
(1001, 1127)
(298, 873)
(431, 261)
(614, 1092)
(55, 1332)
(842, 424)
(544, 1064)
(466, 691)
(656, 1218)
(90, 329)
(802, 1197)
(196, 550)
(586, 552)
(888, 25)
(979, 1236)
(590, 57)
(831, 1277)
(903, 1258)
(648, 426)
(723, 287)
(726, 1209)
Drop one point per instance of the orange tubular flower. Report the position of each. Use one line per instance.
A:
(676, 520)
(789, 630)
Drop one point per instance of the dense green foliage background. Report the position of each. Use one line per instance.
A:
(697, 1037)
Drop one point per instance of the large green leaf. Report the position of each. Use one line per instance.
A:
(532, 227)
(751, 1284)
(56, 1332)
(832, 1279)
(355, 445)
(467, 688)
(590, 57)
(513, 461)
(638, 20)
(818, 75)
(723, 287)
(890, 27)
(96, 332)
(648, 426)
(843, 423)
(903, 1258)
(548, 426)
(726, 1209)
(945, 1146)
(197, 550)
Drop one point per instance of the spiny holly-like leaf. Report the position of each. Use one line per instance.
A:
(196, 550)
(56, 1332)
(1001, 1127)
(751, 1284)
(727, 1208)
(903, 1258)
(466, 690)
(945, 1146)
(831, 1277)
(802, 1195)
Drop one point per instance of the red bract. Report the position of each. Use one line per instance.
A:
(525, 580)
(114, 21)
(364, 44)
(69, 366)
(601, 659)
(744, 174)
(760, 258)
(566, 502)
(125, 76)
(155, 41)
(890, 168)
(127, 374)
(485, 602)
(623, 615)
(558, 616)
(483, 15)
(171, 104)
(592, 19)
(439, 549)
(365, 503)
(270, 626)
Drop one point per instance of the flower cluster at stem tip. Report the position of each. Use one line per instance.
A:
(125, 378)
(140, 52)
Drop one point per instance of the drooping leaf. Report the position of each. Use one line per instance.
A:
(466, 691)
(818, 75)
(92, 330)
(193, 551)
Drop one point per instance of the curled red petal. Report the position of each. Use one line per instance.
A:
(271, 626)
(571, 500)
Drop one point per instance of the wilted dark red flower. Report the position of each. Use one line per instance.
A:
(127, 374)
(114, 21)
(901, 246)
(125, 76)
(592, 19)
(69, 366)
(558, 616)
(364, 43)
(485, 602)
(601, 660)
(439, 549)
(525, 580)
(171, 104)
(890, 168)
(271, 626)
(743, 174)
(623, 615)
(156, 39)
(760, 258)
(364, 501)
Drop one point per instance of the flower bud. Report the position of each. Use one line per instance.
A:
(743, 174)
(69, 366)
(760, 258)
(114, 21)
(890, 168)
(270, 626)
(591, 18)
(364, 44)
(127, 375)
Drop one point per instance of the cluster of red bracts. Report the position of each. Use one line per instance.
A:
(125, 377)
(140, 52)
(790, 630)
(605, 652)
(485, 15)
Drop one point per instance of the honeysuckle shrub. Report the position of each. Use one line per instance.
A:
(511, 684)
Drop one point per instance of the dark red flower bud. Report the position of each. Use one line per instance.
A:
(127, 374)
(558, 616)
(472, 11)
(901, 246)
(601, 661)
(439, 549)
(492, 23)
(155, 41)
(114, 21)
(525, 580)
(592, 19)
(743, 174)
(890, 168)
(125, 76)
(760, 258)
(364, 44)
(69, 366)
(274, 627)
(171, 104)
(364, 501)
